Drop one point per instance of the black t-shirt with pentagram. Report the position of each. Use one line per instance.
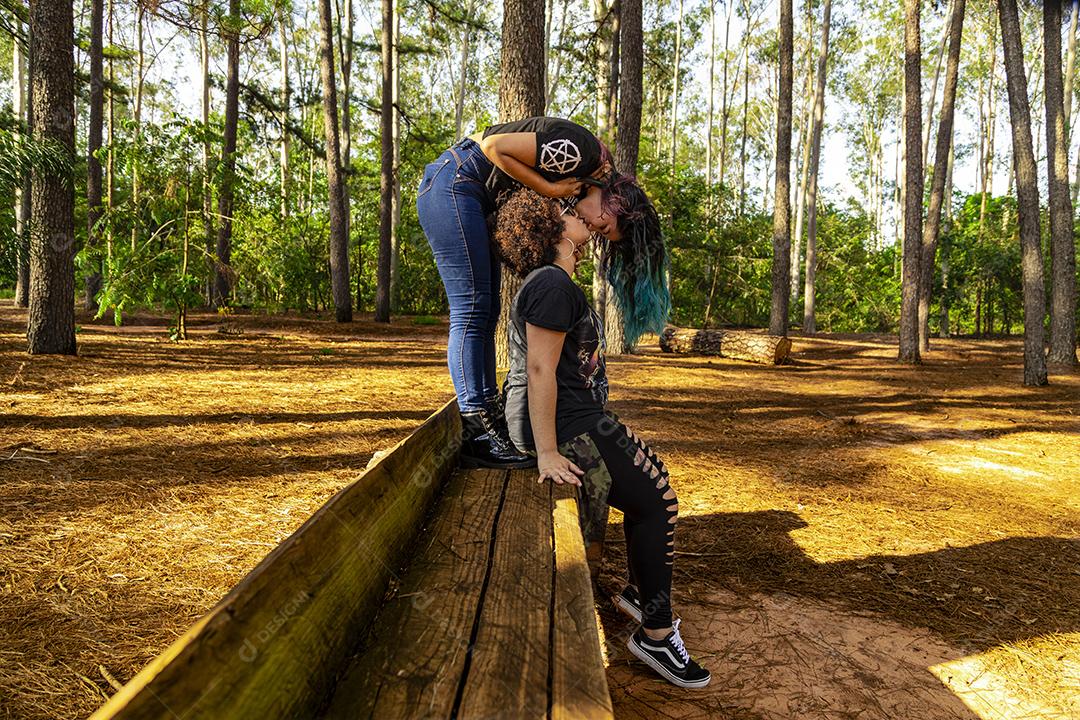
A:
(563, 149)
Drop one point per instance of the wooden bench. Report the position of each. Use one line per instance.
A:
(416, 591)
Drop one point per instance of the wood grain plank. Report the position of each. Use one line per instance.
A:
(508, 672)
(412, 664)
(579, 683)
(274, 645)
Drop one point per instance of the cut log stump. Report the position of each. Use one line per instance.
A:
(734, 344)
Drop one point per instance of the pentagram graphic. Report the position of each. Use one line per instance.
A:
(559, 156)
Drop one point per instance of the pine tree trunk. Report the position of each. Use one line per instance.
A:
(1070, 73)
(223, 275)
(746, 108)
(1062, 240)
(386, 176)
(459, 101)
(93, 144)
(781, 268)
(395, 212)
(987, 160)
(809, 325)
(1027, 192)
(51, 327)
(613, 72)
(804, 163)
(631, 60)
(940, 176)
(339, 238)
(602, 16)
(522, 93)
(140, 76)
(627, 136)
(933, 94)
(207, 160)
(913, 178)
(345, 55)
(709, 190)
(285, 100)
(724, 96)
(601, 112)
(22, 192)
(675, 103)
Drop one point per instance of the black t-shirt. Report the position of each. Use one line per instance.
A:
(563, 149)
(549, 299)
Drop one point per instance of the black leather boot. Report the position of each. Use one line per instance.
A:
(485, 444)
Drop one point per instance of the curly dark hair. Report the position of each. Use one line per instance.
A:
(526, 230)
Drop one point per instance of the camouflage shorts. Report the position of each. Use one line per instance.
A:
(595, 483)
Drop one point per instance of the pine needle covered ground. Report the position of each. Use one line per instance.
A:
(856, 538)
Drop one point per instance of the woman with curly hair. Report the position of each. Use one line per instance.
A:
(557, 159)
(556, 397)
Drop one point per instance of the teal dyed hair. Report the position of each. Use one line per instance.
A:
(637, 265)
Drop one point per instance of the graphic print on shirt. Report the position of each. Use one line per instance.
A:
(559, 156)
(591, 349)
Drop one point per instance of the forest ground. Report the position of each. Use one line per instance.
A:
(856, 538)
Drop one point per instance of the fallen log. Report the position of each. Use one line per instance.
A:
(734, 344)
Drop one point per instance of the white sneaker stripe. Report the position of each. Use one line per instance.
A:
(677, 662)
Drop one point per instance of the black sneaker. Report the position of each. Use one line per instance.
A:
(669, 658)
(629, 602)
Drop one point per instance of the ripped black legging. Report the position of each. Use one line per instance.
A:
(640, 489)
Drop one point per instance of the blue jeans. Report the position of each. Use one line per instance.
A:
(453, 205)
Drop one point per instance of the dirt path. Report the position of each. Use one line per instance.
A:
(856, 539)
(862, 540)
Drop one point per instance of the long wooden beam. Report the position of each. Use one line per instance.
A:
(273, 645)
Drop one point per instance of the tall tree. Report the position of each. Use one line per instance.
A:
(386, 177)
(345, 58)
(22, 192)
(1070, 69)
(942, 152)
(1062, 239)
(724, 110)
(93, 144)
(612, 314)
(781, 267)
(913, 182)
(630, 86)
(603, 16)
(222, 276)
(746, 104)
(286, 99)
(1027, 196)
(675, 93)
(51, 327)
(207, 157)
(607, 16)
(339, 238)
(522, 94)
(711, 103)
(803, 167)
(929, 124)
(395, 207)
(139, 82)
(809, 298)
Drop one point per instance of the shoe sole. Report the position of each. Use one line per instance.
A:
(627, 607)
(663, 671)
(468, 463)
